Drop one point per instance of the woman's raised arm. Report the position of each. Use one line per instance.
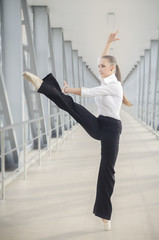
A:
(111, 38)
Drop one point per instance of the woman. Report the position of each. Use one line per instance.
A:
(106, 128)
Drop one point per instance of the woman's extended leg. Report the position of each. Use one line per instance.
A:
(52, 90)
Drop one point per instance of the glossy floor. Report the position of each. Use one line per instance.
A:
(56, 200)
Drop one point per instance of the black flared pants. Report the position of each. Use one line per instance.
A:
(105, 129)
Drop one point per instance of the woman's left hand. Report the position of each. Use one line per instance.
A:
(64, 89)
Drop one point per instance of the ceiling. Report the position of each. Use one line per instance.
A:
(87, 24)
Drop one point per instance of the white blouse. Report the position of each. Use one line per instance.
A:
(108, 96)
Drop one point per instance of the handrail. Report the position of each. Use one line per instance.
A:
(37, 157)
(148, 118)
(27, 121)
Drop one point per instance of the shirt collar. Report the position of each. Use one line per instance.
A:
(111, 78)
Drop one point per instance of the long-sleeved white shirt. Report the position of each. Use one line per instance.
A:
(108, 96)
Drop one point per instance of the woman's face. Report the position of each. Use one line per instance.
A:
(104, 67)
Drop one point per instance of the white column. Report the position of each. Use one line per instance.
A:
(12, 56)
(146, 81)
(76, 72)
(153, 79)
(80, 76)
(69, 62)
(60, 63)
(59, 56)
(141, 86)
(40, 21)
(12, 67)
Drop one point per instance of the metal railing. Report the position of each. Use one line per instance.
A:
(22, 167)
(66, 122)
(147, 117)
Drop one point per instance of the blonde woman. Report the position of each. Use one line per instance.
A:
(106, 127)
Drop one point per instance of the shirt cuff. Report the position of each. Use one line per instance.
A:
(84, 92)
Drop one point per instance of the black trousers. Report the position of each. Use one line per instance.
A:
(105, 129)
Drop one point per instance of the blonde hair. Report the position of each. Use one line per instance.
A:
(113, 62)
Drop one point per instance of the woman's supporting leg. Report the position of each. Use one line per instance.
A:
(106, 176)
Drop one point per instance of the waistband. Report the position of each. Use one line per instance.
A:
(110, 124)
(109, 119)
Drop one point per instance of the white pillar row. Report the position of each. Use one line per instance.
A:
(143, 81)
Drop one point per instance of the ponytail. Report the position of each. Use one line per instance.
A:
(113, 61)
(126, 101)
(118, 73)
(118, 76)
